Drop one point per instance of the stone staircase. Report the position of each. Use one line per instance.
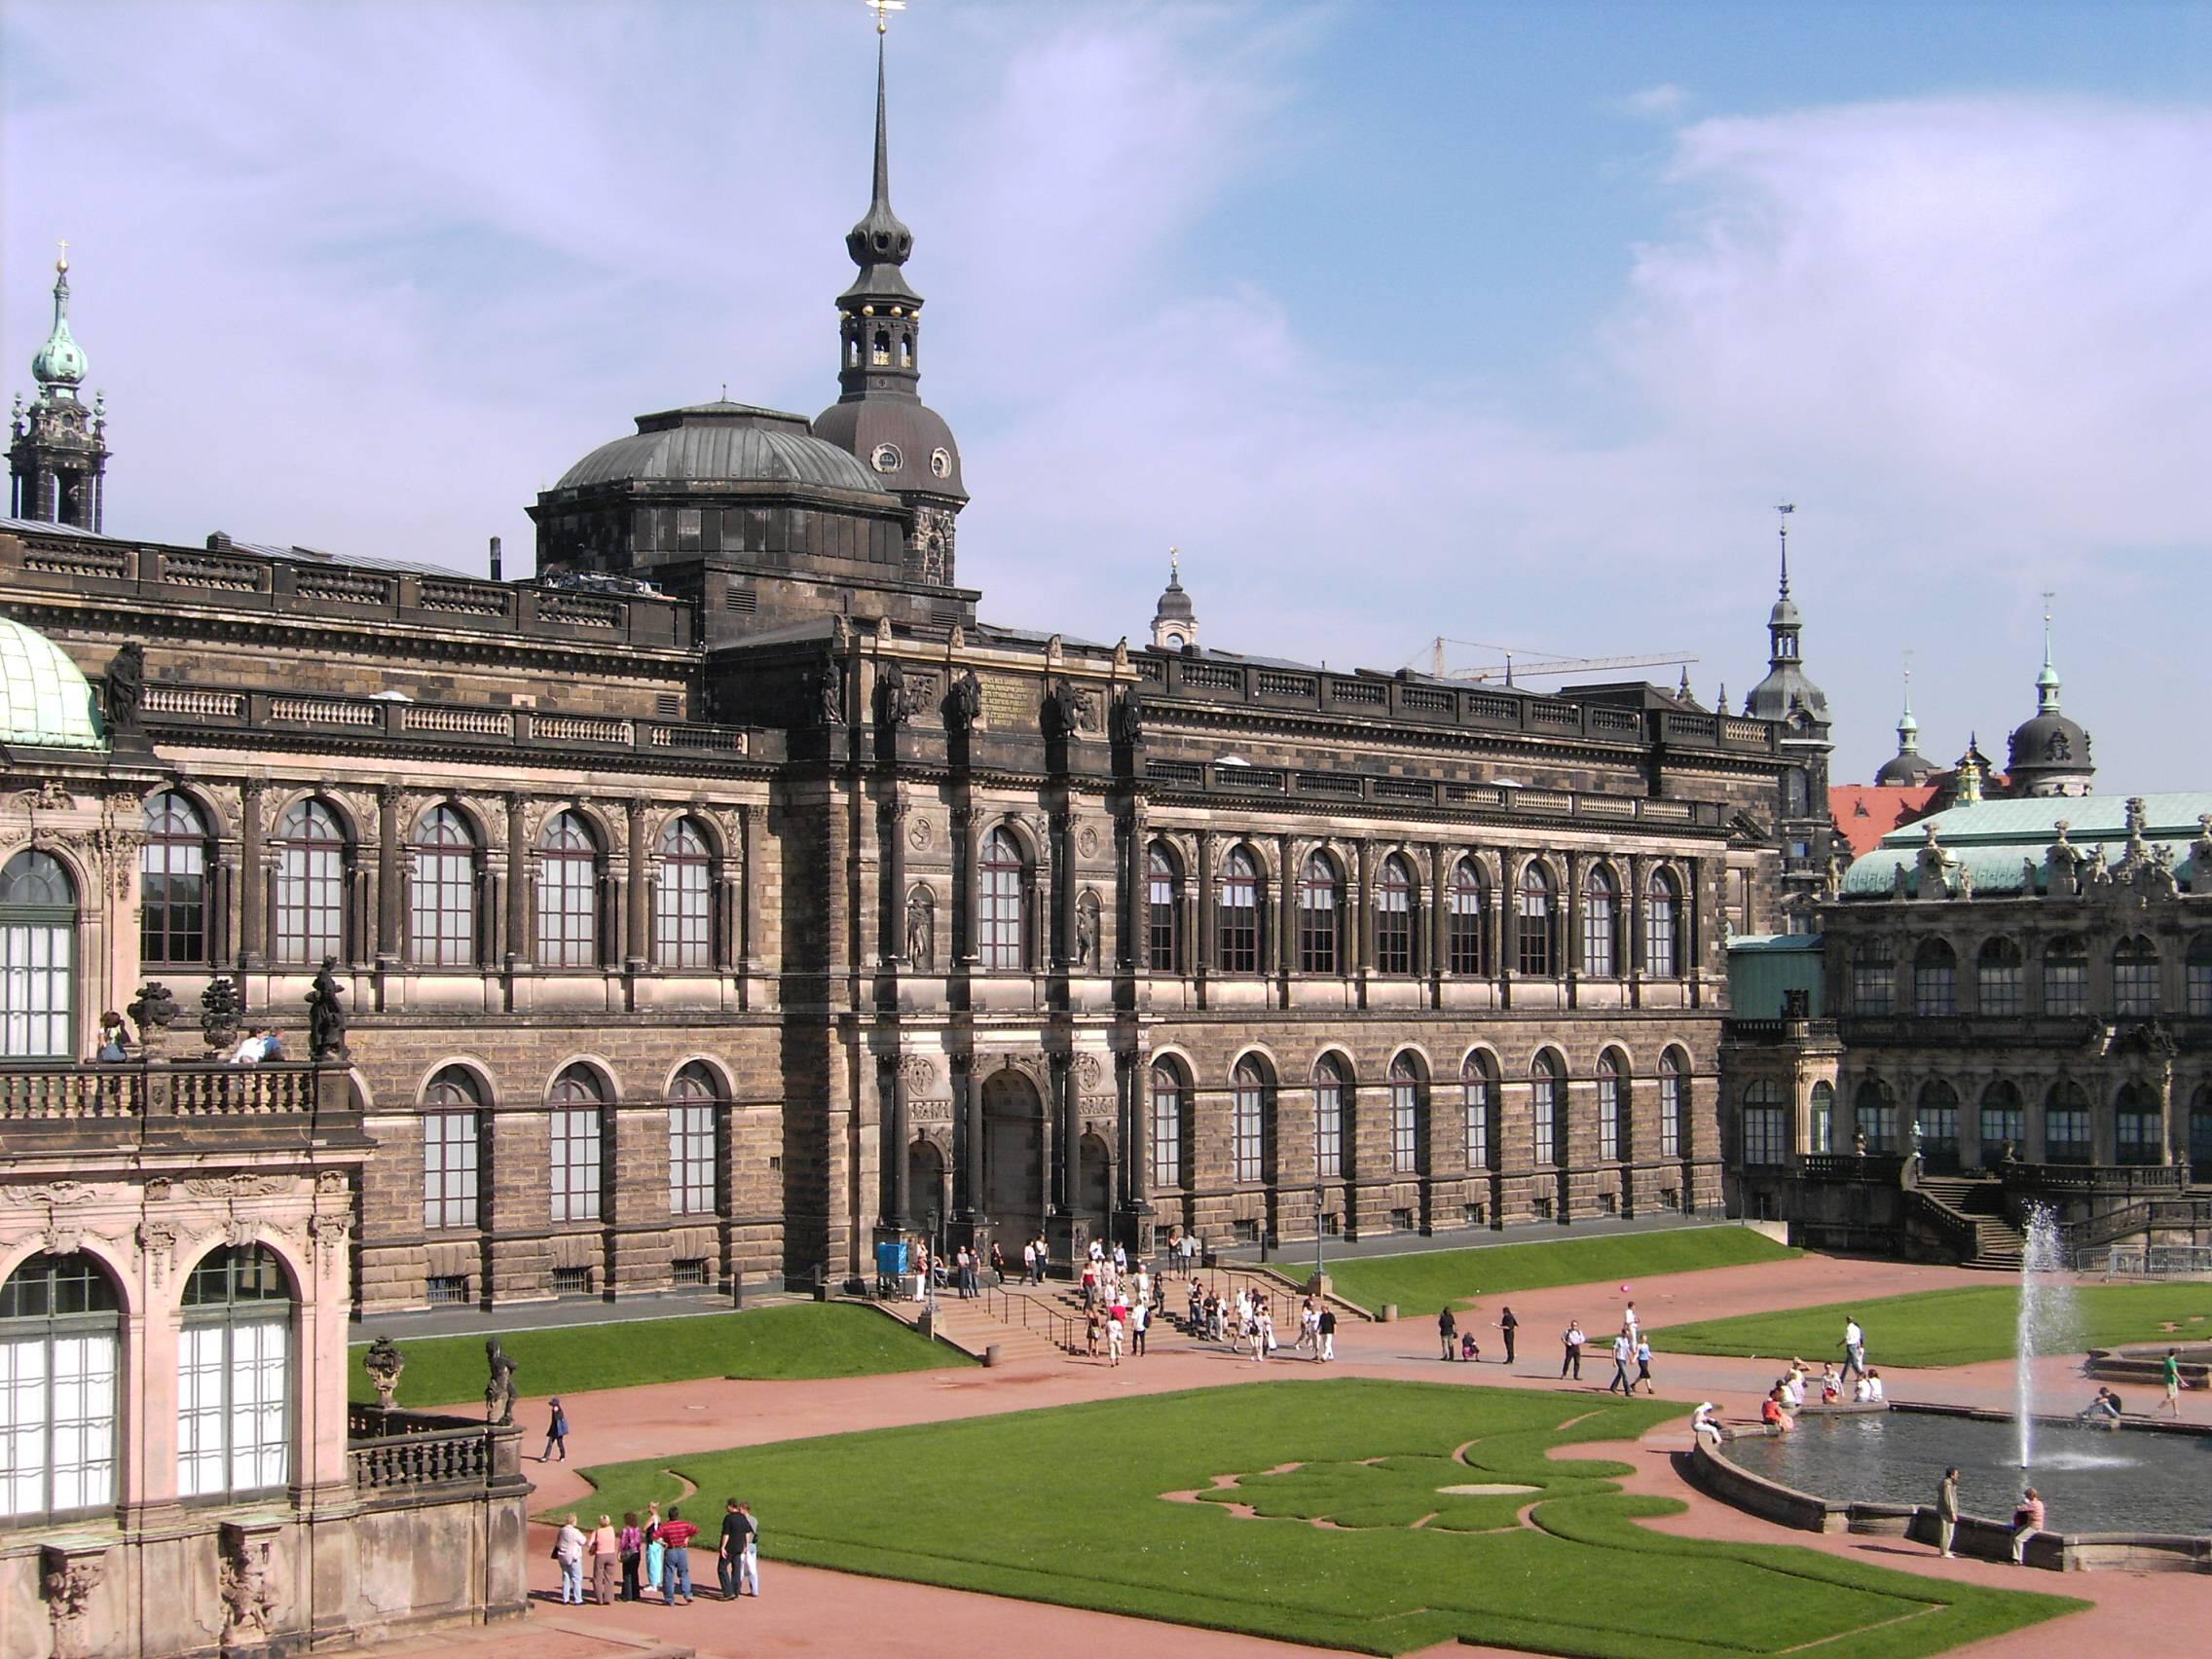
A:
(1971, 1211)
(976, 1324)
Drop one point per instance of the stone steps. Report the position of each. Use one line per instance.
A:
(969, 1326)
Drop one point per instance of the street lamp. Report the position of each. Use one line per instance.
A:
(1317, 1200)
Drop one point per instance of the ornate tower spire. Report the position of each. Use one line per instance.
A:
(1174, 620)
(881, 313)
(58, 449)
(2047, 681)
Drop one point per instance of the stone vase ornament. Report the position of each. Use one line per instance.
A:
(385, 1363)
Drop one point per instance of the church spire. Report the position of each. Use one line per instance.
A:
(2047, 681)
(57, 448)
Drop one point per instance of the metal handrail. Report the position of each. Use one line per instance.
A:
(1032, 1314)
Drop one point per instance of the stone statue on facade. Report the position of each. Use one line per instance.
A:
(127, 688)
(895, 697)
(152, 1012)
(326, 1015)
(219, 1014)
(967, 702)
(830, 694)
(1086, 932)
(921, 931)
(383, 1362)
(1129, 719)
(499, 1388)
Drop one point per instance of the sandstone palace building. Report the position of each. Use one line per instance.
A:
(731, 893)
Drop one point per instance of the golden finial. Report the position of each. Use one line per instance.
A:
(1174, 565)
(62, 264)
(883, 9)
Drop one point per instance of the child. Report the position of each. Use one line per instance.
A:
(1467, 1348)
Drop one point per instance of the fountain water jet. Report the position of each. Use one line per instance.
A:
(2047, 1322)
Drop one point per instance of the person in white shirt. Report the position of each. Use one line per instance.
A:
(1862, 1390)
(250, 1050)
(1874, 1386)
(1706, 1421)
(1624, 1353)
(1853, 1348)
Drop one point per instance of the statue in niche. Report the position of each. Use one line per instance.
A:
(499, 1389)
(1086, 930)
(897, 697)
(966, 705)
(127, 688)
(1128, 717)
(830, 694)
(921, 930)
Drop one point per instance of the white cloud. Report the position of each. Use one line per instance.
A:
(1664, 102)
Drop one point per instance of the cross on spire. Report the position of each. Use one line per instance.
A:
(883, 9)
(1783, 511)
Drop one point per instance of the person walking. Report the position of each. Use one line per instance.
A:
(730, 1552)
(1571, 1339)
(1947, 1511)
(2027, 1522)
(1448, 1333)
(748, 1559)
(1140, 1322)
(605, 1560)
(556, 1433)
(675, 1535)
(1028, 1263)
(1114, 1315)
(1624, 1353)
(632, 1542)
(1507, 1324)
(1853, 1348)
(1643, 1365)
(2169, 1373)
(569, 1551)
(1328, 1328)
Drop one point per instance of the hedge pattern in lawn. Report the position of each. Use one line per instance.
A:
(1355, 1547)
(1425, 1281)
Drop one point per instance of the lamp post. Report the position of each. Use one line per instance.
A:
(1319, 1191)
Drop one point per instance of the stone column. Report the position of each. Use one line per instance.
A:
(253, 880)
(891, 1086)
(1063, 952)
(1136, 890)
(1203, 939)
(1638, 927)
(966, 854)
(1136, 1127)
(389, 887)
(968, 1102)
(1054, 1117)
(1363, 907)
(1439, 917)
(636, 952)
(753, 857)
(518, 948)
(891, 827)
(1286, 912)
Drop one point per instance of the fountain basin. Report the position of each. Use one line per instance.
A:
(2131, 1497)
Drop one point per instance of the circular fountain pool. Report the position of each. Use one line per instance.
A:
(2092, 1480)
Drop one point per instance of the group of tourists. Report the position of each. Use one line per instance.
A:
(1118, 1304)
(1245, 1320)
(657, 1554)
(1630, 1348)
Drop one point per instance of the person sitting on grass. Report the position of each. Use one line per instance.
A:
(1775, 1414)
(2104, 1411)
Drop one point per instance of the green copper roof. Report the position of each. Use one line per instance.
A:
(2004, 845)
(44, 700)
(60, 361)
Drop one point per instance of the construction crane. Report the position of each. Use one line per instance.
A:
(1517, 663)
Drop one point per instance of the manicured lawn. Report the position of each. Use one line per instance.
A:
(1072, 1506)
(807, 1339)
(1947, 1327)
(1422, 1283)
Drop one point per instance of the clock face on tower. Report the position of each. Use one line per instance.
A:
(940, 464)
(887, 457)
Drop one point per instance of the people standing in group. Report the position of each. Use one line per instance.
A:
(569, 1551)
(2169, 1373)
(1263, 1332)
(729, 1558)
(1947, 1511)
(1507, 1324)
(2027, 1522)
(657, 1553)
(1624, 1355)
(675, 1535)
(631, 1540)
(1571, 1339)
(1028, 1263)
(1448, 1333)
(1854, 1346)
(749, 1557)
(605, 1561)
(556, 1432)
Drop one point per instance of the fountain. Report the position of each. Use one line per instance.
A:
(2047, 1324)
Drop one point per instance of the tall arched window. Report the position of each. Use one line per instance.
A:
(453, 1141)
(1004, 877)
(2198, 977)
(1598, 957)
(2004, 1125)
(1317, 910)
(1661, 927)
(2135, 977)
(574, 1132)
(38, 958)
(1330, 1081)
(1996, 977)
(1408, 1107)
(1395, 917)
(568, 893)
(1821, 1135)
(311, 884)
(684, 897)
(2065, 977)
(1547, 1090)
(172, 884)
(1613, 1103)
(1237, 910)
(1874, 977)
(1248, 1118)
(1934, 979)
(695, 1125)
(1874, 1112)
(1533, 922)
(1163, 911)
(61, 1353)
(234, 1375)
(2066, 1124)
(442, 931)
(1935, 1114)
(2138, 1135)
(1674, 1104)
(1477, 1103)
(2200, 1134)
(1168, 1094)
(1463, 937)
(1766, 1124)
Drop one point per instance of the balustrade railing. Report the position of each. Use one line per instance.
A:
(403, 1451)
(135, 1090)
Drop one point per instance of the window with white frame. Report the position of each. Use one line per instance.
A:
(1661, 927)
(1328, 1117)
(1317, 917)
(1395, 917)
(61, 1353)
(1597, 923)
(172, 883)
(1997, 979)
(1934, 979)
(1533, 918)
(1003, 877)
(1766, 1126)
(2066, 1124)
(568, 893)
(1162, 910)
(2065, 977)
(1463, 939)
(38, 953)
(1237, 915)
(452, 1139)
(2135, 977)
(2003, 1123)
(1873, 979)
(311, 884)
(234, 1375)
(2198, 977)
(575, 1144)
(694, 1111)
(683, 899)
(1874, 1110)
(1822, 1121)
(1674, 1104)
(1248, 1121)
(442, 919)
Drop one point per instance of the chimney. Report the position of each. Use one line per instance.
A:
(495, 558)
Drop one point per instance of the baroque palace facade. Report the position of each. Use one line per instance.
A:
(727, 896)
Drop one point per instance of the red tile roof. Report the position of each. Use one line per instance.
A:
(1865, 813)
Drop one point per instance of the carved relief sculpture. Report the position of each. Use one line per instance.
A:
(249, 1590)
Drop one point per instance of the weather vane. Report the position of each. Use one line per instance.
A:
(883, 9)
(62, 264)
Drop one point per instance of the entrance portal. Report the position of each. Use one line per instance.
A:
(1013, 1165)
(925, 1191)
(1096, 1196)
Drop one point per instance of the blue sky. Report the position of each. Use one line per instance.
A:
(1505, 322)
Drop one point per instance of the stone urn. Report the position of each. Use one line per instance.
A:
(384, 1363)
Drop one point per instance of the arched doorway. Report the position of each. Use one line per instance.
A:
(1096, 1198)
(925, 1190)
(1014, 1169)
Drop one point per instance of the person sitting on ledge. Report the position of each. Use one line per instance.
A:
(1875, 1386)
(1774, 1413)
(2104, 1411)
(2027, 1522)
(1831, 1385)
(1706, 1421)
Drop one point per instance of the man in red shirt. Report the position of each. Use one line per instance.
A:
(675, 1535)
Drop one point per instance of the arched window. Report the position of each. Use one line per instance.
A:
(1163, 911)
(1674, 1104)
(234, 1404)
(1766, 1124)
(172, 884)
(1395, 917)
(1329, 1081)
(311, 884)
(442, 931)
(576, 1099)
(1875, 1115)
(1547, 1092)
(1874, 977)
(2003, 1126)
(1822, 1129)
(1463, 937)
(1936, 1116)
(2135, 977)
(2200, 1135)
(1478, 1101)
(38, 958)
(1408, 1108)
(1317, 909)
(1598, 957)
(61, 1353)
(2138, 1135)
(1004, 884)
(1996, 977)
(1934, 979)
(684, 897)
(1533, 922)
(568, 893)
(2066, 1124)
(1613, 1103)
(1248, 1117)
(1237, 910)
(694, 1139)
(2065, 977)
(2197, 974)
(453, 1108)
(1661, 927)
(1167, 1093)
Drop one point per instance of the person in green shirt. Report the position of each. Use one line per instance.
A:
(2170, 1369)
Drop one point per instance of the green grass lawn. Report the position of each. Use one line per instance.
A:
(1947, 1327)
(1422, 1283)
(805, 1339)
(1070, 1506)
